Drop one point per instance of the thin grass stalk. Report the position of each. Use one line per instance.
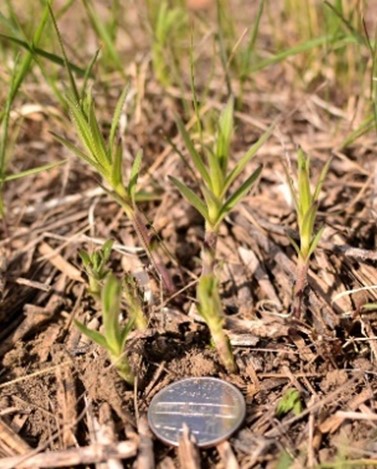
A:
(142, 232)
(224, 349)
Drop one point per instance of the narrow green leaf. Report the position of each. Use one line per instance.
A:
(135, 170)
(111, 298)
(196, 158)
(100, 147)
(29, 172)
(241, 164)
(251, 43)
(303, 182)
(315, 241)
(301, 48)
(239, 194)
(291, 188)
(117, 115)
(56, 59)
(216, 173)
(106, 249)
(213, 205)
(89, 73)
(125, 332)
(93, 335)
(117, 167)
(82, 126)
(191, 197)
(224, 135)
(79, 153)
(65, 58)
(101, 30)
(321, 180)
(295, 245)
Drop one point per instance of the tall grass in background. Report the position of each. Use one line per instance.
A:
(22, 66)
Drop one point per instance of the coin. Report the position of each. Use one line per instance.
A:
(212, 409)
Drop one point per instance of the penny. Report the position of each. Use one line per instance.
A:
(212, 409)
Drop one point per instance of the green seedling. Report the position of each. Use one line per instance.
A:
(306, 205)
(216, 180)
(290, 402)
(209, 307)
(95, 265)
(114, 336)
(167, 24)
(134, 303)
(105, 156)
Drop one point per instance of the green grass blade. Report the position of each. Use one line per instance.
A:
(111, 298)
(216, 173)
(303, 182)
(238, 195)
(301, 48)
(135, 171)
(321, 180)
(116, 167)
(315, 241)
(241, 164)
(295, 245)
(191, 197)
(292, 189)
(106, 249)
(126, 331)
(71, 78)
(363, 128)
(93, 335)
(101, 152)
(358, 37)
(89, 73)
(103, 33)
(252, 41)
(224, 135)
(30, 172)
(56, 59)
(196, 158)
(117, 115)
(78, 153)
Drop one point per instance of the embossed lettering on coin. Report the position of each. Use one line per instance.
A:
(210, 407)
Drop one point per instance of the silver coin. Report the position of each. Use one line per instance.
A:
(212, 409)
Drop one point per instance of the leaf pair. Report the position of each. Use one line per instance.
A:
(306, 205)
(114, 337)
(215, 178)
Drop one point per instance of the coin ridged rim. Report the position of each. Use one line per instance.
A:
(235, 391)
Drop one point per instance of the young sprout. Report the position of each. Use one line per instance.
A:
(306, 205)
(114, 337)
(216, 202)
(106, 156)
(290, 401)
(209, 307)
(95, 267)
(216, 179)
